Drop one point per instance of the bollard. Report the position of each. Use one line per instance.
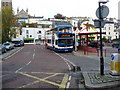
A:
(84, 52)
(115, 64)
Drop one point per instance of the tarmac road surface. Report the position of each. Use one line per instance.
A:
(34, 66)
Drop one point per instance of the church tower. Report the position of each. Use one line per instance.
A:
(5, 3)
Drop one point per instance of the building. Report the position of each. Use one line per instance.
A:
(34, 19)
(5, 3)
(36, 34)
(111, 29)
(32, 35)
(22, 16)
(119, 10)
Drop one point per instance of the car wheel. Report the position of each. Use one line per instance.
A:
(5, 51)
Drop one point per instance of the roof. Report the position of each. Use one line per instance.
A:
(106, 21)
(62, 23)
(35, 17)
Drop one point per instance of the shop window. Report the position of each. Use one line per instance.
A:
(27, 36)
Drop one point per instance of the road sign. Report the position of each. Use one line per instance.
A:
(112, 57)
(104, 11)
(97, 23)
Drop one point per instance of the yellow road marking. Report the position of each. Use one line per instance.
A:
(37, 81)
(64, 81)
(62, 85)
(40, 72)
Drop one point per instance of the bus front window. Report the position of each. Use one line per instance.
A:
(65, 42)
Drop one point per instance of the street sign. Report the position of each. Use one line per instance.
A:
(104, 11)
(97, 23)
(112, 57)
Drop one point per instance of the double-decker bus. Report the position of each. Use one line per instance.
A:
(59, 38)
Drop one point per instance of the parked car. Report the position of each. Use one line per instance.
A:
(2, 49)
(17, 42)
(116, 44)
(8, 45)
(95, 44)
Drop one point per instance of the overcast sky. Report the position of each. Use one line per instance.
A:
(49, 8)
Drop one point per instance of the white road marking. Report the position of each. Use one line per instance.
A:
(68, 85)
(66, 60)
(69, 78)
(33, 55)
(28, 63)
(34, 50)
(19, 69)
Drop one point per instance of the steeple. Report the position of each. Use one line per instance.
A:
(17, 10)
(27, 10)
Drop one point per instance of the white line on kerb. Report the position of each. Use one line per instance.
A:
(14, 53)
(66, 61)
(68, 85)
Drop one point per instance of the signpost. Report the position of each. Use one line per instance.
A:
(102, 12)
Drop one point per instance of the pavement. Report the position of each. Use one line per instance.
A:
(93, 79)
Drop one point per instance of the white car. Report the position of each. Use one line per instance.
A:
(8, 45)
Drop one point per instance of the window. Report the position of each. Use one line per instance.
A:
(56, 42)
(39, 36)
(39, 32)
(3, 4)
(39, 26)
(27, 36)
(109, 33)
(105, 28)
(49, 41)
(109, 28)
(6, 3)
(30, 35)
(27, 32)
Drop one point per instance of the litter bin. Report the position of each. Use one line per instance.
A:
(115, 64)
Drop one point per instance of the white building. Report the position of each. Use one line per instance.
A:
(111, 31)
(36, 34)
(31, 35)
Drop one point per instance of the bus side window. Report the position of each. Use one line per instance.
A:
(56, 42)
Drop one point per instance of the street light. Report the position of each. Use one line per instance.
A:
(101, 48)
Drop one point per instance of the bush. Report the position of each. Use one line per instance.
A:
(118, 39)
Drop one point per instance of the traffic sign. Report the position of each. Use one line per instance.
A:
(104, 11)
(112, 57)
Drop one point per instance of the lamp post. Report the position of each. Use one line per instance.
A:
(101, 48)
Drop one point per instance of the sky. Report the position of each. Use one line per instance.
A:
(69, 8)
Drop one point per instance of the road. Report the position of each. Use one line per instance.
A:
(36, 67)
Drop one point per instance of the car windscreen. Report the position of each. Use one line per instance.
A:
(15, 42)
(6, 44)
